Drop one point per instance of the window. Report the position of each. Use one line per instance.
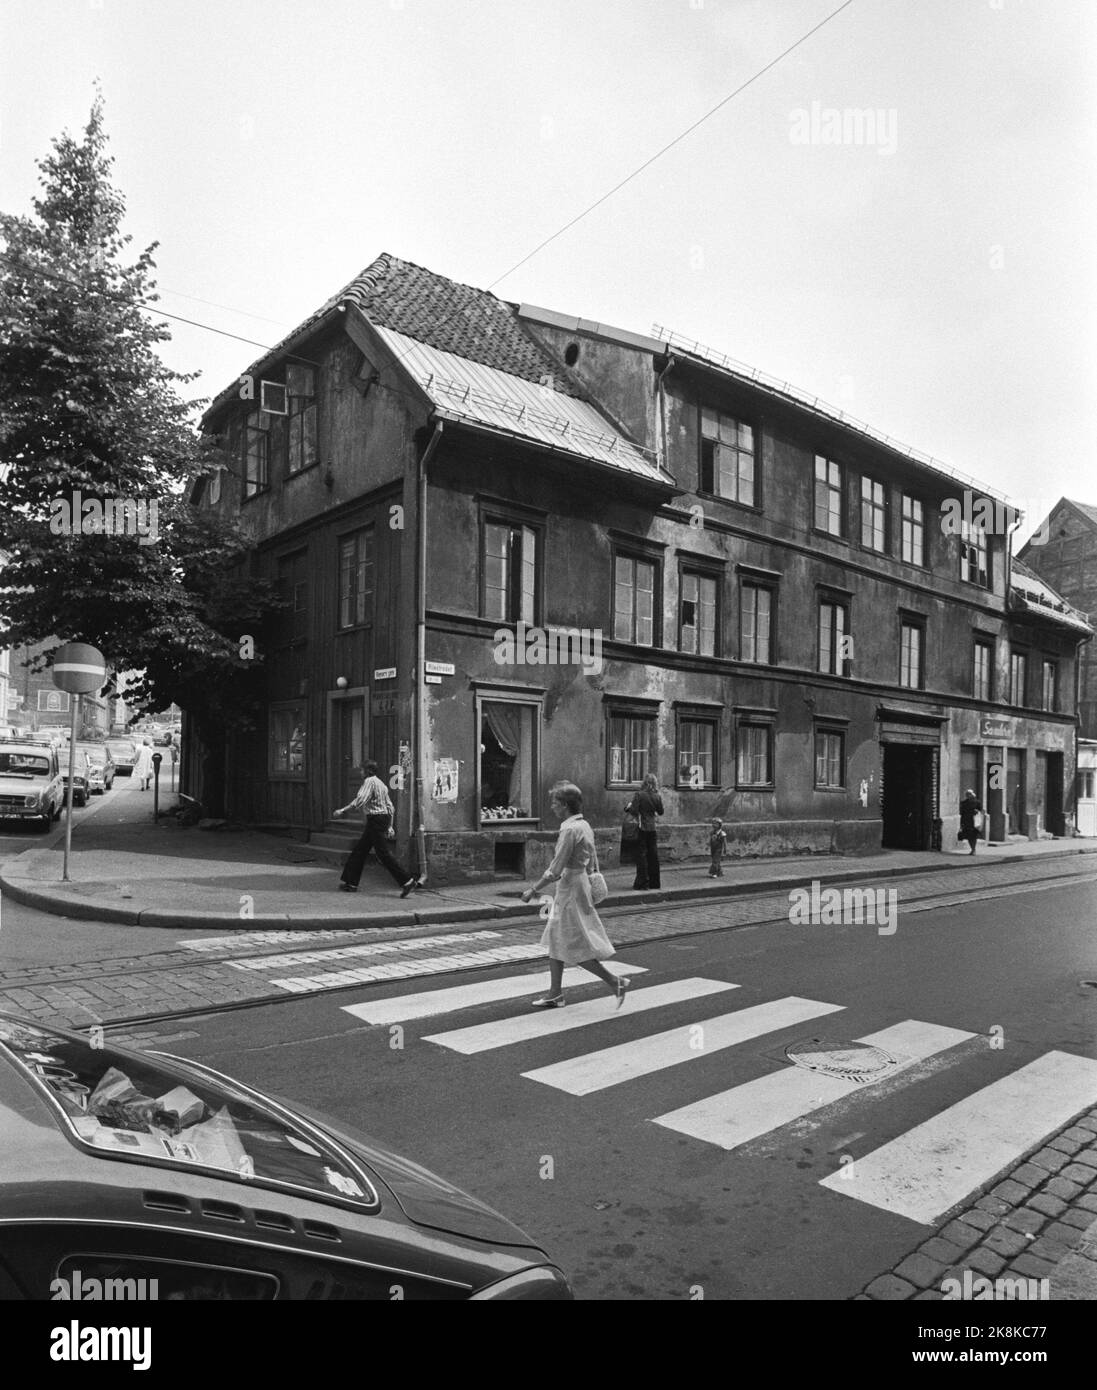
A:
(835, 642)
(914, 531)
(697, 614)
(727, 457)
(698, 742)
(293, 586)
(756, 623)
(256, 453)
(1018, 677)
(288, 741)
(828, 496)
(912, 632)
(509, 571)
(630, 741)
(215, 487)
(53, 702)
(301, 424)
(1087, 783)
(754, 747)
(356, 578)
(830, 759)
(873, 515)
(508, 761)
(982, 668)
(634, 600)
(1050, 685)
(973, 554)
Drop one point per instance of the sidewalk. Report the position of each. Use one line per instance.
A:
(127, 870)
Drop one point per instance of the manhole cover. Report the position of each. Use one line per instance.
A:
(849, 1061)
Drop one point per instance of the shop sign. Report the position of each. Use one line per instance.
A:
(996, 728)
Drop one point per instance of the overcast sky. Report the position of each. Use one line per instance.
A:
(938, 282)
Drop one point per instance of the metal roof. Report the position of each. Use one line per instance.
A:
(1040, 597)
(497, 400)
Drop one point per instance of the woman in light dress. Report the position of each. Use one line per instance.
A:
(142, 768)
(574, 934)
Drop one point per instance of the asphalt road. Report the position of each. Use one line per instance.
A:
(638, 1210)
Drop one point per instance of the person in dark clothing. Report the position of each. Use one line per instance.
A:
(647, 804)
(373, 799)
(969, 810)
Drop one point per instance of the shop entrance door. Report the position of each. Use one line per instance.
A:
(1053, 793)
(908, 796)
(348, 748)
(1016, 800)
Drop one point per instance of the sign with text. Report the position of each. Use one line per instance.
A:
(996, 728)
(440, 668)
(387, 673)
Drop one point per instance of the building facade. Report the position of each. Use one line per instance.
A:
(37, 703)
(516, 547)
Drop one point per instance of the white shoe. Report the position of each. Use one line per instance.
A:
(556, 1001)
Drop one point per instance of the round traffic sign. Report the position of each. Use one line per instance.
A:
(78, 668)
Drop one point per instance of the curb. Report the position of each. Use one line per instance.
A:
(24, 890)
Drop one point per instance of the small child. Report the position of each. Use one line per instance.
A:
(716, 842)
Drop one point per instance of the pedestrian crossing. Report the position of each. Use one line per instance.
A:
(921, 1174)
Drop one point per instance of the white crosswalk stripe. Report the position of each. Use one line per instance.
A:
(404, 1007)
(594, 1071)
(933, 1167)
(745, 1112)
(482, 1037)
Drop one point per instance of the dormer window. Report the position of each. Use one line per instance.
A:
(301, 422)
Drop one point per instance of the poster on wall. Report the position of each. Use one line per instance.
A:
(444, 784)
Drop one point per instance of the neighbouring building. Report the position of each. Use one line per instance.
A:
(1063, 551)
(517, 547)
(38, 704)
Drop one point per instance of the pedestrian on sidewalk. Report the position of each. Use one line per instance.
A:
(374, 801)
(647, 804)
(717, 842)
(142, 768)
(574, 934)
(971, 818)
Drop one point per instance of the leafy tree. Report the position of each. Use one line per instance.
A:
(88, 406)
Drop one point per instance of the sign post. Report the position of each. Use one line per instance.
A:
(77, 669)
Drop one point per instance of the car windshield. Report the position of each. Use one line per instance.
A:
(126, 749)
(14, 764)
(134, 1107)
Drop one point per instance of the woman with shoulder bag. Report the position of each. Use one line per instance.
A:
(647, 804)
(574, 934)
(971, 818)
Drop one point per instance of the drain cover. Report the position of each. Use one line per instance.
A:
(849, 1061)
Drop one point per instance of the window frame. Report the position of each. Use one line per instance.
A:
(1049, 663)
(840, 666)
(968, 530)
(513, 521)
(633, 715)
(825, 728)
(488, 695)
(755, 504)
(255, 487)
(691, 569)
(1018, 654)
(839, 489)
(709, 718)
(771, 589)
(982, 642)
(748, 722)
(635, 557)
(917, 527)
(913, 622)
(882, 508)
(274, 708)
(356, 534)
(296, 412)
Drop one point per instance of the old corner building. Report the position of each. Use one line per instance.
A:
(518, 547)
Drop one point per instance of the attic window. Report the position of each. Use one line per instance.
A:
(301, 432)
(571, 354)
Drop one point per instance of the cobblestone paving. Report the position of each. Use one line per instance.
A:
(1037, 1223)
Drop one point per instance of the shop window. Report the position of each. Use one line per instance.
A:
(288, 741)
(256, 444)
(697, 614)
(356, 579)
(630, 741)
(301, 424)
(727, 458)
(507, 761)
(698, 750)
(509, 569)
(912, 639)
(756, 611)
(754, 754)
(634, 600)
(828, 496)
(914, 531)
(830, 759)
(974, 561)
(1050, 686)
(982, 669)
(835, 642)
(1018, 678)
(874, 515)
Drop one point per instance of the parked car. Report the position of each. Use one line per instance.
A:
(124, 753)
(81, 774)
(118, 1164)
(31, 786)
(101, 769)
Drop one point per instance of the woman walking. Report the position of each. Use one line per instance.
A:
(142, 768)
(647, 804)
(574, 934)
(969, 810)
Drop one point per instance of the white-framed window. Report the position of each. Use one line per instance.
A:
(756, 613)
(635, 610)
(697, 613)
(911, 643)
(834, 637)
(509, 773)
(914, 531)
(874, 515)
(698, 750)
(829, 493)
(630, 741)
(288, 752)
(974, 554)
(754, 754)
(356, 578)
(982, 669)
(727, 457)
(830, 759)
(509, 569)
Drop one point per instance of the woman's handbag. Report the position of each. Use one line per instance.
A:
(977, 820)
(630, 826)
(599, 888)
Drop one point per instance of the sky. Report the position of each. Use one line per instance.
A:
(935, 277)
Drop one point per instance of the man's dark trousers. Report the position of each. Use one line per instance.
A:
(647, 861)
(374, 838)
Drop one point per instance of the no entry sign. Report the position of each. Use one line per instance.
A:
(79, 669)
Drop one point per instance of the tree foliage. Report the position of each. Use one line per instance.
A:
(87, 406)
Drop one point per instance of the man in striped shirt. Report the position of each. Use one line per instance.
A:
(374, 802)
